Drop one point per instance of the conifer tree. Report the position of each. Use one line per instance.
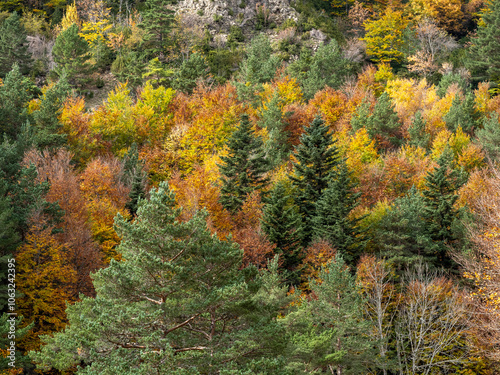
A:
(440, 214)
(333, 221)
(15, 93)
(71, 54)
(244, 168)
(482, 55)
(329, 331)
(13, 46)
(489, 136)
(317, 157)
(46, 117)
(418, 136)
(190, 71)
(384, 121)
(462, 114)
(277, 146)
(281, 222)
(157, 22)
(178, 304)
(401, 236)
(135, 177)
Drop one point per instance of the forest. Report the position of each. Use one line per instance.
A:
(229, 187)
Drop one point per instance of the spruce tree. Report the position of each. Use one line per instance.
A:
(281, 222)
(384, 121)
(245, 167)
(13, 46)
(317, 157)
(333, 221)
(482, 56)
(178, 304)
(134, 177)
(418, 136)
(440, 214)
(190, 71)
(402, 237)
(71, 54)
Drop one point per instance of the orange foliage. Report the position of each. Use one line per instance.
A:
(257, 249)
(105, 196)
(335, 108)
(83, 252)
(317, 255)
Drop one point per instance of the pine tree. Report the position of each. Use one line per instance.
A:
(178, 304)
(13, 46)
(440, 214)
(46, 117)
(190, 71)
(489, 136)
(402, 237)
(157, 20)
(329, 331)
(418, 136)
(15, 93)
(482, 55)
(384, 121)
(244, 168)
(281, 222)
(135, 177)
(71, 54)
(333, 221)
(462, 114)
(317, 157)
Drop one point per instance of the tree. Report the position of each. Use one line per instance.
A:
(333, 220)
(316, 159)
(13, 46)
(281, 222)
(178, 304)
(259, 67)
(418, 136)
(384, 37)
(157, 22)
(485, 46)
(71, 54)
(244, 168)
(48, 129)
(135, 177)
(462, 114)
(440, 214)
(190, 72)
(489, 137)
(328, 330)
(401, 235)
(15, 93)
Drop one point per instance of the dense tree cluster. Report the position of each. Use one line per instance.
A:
(305, 196)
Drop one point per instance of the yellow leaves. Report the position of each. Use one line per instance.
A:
(95, 33)
(287, 89)
(70, 17)
(360, 151)
(384, 36)
(334, 107)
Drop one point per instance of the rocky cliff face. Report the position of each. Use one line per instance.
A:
(249, 15)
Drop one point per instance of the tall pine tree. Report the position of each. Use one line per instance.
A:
(317, 157)
(245, 167)
(281, 222)
(334, 221)
(13, 46)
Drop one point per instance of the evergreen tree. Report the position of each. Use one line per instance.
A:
(157, 20)
(46, 122)
(418, 136)
(259, 67)
(277, 147)
(489, 136)
(178, 305)
(135, 177)
(13, 46)
(462, 114)
(402, 237)
(281, 222)
(482, 54)
(244, 168)
(384, 121)
(333, 220)
(317, 157)
(329, 332)
(190, 71)
(15, 93)
(440, 214)
(71, 54)
(328, 68)
(449, 79)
